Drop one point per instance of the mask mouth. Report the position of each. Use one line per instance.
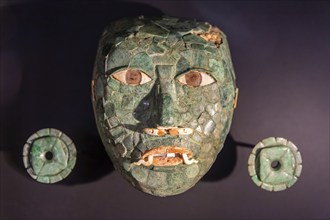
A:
(166, 156)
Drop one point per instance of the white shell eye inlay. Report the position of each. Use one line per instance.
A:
(196, 78)
(132, 77)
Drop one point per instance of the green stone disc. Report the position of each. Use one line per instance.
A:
(275, 164)
(49, 155)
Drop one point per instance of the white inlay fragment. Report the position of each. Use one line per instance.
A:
(173, 131)
(145, 163)
(187, 161)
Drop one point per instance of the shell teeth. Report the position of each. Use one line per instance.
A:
(187, 161)
(150, 160)
(170, 155)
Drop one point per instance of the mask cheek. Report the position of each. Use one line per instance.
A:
(213, 139)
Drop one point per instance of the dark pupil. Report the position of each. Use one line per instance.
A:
(193, 78)
(133, 77)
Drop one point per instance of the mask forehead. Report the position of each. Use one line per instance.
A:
(164, 51)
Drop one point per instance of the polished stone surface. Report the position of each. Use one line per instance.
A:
(163, 74)
(275, 164)
(49, 155)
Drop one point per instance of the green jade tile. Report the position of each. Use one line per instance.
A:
(284, 170)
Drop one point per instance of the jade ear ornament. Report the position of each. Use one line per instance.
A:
(163, 93)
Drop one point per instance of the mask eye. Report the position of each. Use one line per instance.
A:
(132, 77)
(196, 79)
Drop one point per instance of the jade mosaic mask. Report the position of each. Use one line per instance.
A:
(163, 93)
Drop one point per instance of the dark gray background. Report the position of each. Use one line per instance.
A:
(280, 52)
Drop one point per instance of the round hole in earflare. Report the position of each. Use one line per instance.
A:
(49, 155)
(276, 165)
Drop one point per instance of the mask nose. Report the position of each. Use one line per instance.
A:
(165, 110)
(166, 96)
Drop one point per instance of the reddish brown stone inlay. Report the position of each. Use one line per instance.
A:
(133, 77)
(193, 78)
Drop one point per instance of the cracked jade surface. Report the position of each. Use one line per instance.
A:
(163, 93)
